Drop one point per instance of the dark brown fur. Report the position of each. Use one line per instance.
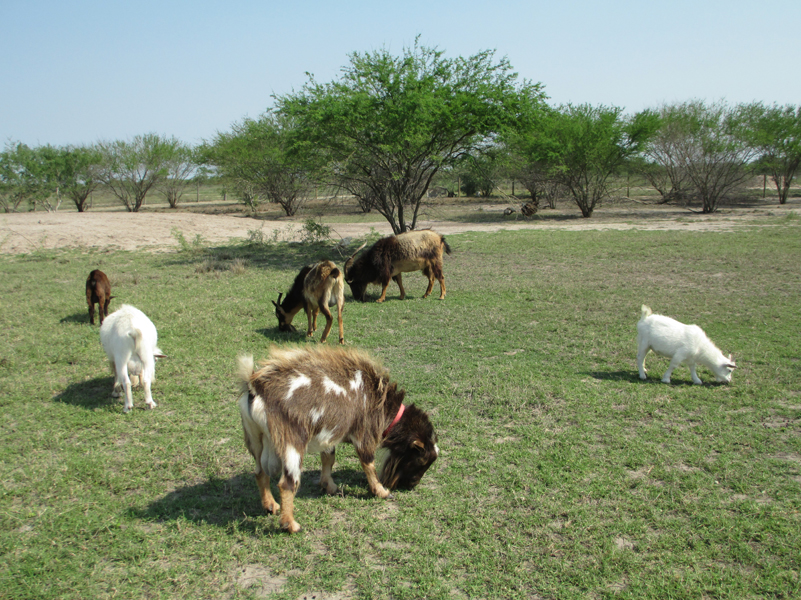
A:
(98, 291)
(390, 256)
(315, 288)
(312, 399)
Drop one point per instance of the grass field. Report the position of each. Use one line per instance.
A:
(561, 474)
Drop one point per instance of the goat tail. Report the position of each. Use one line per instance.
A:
(136, 336)
(244, 370)
(334, 274)
(445, 244)
(645, 312)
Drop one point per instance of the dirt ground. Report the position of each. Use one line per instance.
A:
(30, 231)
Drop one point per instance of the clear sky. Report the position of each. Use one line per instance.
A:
(80, 71)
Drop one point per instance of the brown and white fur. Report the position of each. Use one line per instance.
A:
(391, 256)
(98, 291)
(312, 399)
(315, 288)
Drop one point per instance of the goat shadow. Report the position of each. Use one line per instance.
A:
(223, 502)
(80, 317)
(634, 377)
(299, 337)
(90, 394)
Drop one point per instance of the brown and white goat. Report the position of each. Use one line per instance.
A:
(98, 291)
(315, 288)
(312, 399)
(396, 254)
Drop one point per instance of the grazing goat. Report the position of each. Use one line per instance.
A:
(98, 291)
(315, 288)
(129, 339)
(681, 344)
(396, 254)
(312, 399)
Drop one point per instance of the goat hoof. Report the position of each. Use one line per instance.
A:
(291, 527)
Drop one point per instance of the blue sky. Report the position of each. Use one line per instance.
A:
(82, 71)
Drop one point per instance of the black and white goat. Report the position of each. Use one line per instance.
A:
(315, 288)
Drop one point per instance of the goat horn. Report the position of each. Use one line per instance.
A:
(349, 262)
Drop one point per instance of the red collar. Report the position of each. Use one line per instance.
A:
(395, 420)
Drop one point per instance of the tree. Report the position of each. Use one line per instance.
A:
(581, 147)
(255, 161)
(23, 176)
(130, 169)
(710, 145)
(390, 123)
(74, 172)
(181, 165)
(775, 133)
(661, 165)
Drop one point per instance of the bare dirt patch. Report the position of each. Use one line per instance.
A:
(31, 231)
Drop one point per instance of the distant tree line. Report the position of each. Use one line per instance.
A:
(393, 129)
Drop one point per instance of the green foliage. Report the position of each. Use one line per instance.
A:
(254, 159)
(581, 147)
(775, 132)
(130, 169)
(704, 148)
(314, 231)
(182, 168)
(390, 123)
(196, 246)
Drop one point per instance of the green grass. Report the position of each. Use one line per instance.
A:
(562, 475)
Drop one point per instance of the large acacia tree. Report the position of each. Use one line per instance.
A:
(390, 123)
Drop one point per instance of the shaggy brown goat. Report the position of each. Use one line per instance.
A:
(396, 254)
(315, 288)
(98, 291)
(312, 399)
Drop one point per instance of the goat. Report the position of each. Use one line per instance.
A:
(315, 288)
(311, 399)
(98, 291)
(396, 254)
(129, 339)
(681, 344)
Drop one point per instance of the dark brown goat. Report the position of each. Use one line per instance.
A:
(396, 254)
(98, 291)
(315, 288)
(312, 399)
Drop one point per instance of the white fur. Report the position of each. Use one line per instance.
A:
(129, 339)
(295, 382)
(680, 343)
(332, 387)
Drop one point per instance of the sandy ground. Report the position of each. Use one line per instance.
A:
(31, 231)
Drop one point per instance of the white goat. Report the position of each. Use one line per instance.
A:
(681, 344)
(129, 339)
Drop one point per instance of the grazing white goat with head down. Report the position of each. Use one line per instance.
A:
(129, 339)
(681, 344)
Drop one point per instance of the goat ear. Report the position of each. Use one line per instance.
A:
(419, 443)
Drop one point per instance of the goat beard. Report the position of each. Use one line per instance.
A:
(387, 467)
